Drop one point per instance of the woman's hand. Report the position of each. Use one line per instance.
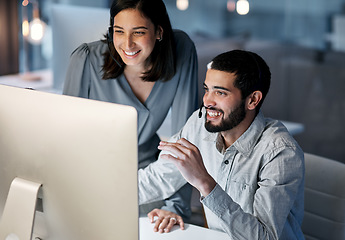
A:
(166, 220)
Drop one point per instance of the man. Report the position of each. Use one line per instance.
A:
(249, 169)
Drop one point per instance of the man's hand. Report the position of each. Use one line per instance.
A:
(166, 220)
(188, 160)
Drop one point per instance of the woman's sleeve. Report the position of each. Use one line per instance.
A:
(77, 79)
(186, 98)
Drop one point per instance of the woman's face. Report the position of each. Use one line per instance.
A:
(134, 37)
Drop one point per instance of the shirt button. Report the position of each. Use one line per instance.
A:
(226, 162)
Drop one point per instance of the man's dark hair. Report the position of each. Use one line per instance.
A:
(252, 72)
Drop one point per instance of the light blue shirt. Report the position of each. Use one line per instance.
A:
(260, 180)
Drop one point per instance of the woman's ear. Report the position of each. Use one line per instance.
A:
(253, 99)
(159, 33)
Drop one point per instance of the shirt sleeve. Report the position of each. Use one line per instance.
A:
(77, 79)
(179, 202)
(279, 182)
(186, 97)
(159, 180)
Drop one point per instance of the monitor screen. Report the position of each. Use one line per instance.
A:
(78, 155)
(72, 26)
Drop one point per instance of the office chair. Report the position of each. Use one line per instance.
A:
(324, 206)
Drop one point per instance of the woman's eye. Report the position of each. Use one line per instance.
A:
(118, 31)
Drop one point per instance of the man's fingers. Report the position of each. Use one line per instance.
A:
(174, 148)
(184, 142)
(177, 150)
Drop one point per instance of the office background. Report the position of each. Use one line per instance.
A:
(302, 41)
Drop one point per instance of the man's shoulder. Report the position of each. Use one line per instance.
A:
(276, 135)
(194, 130)
(194, 121)
(275, 127)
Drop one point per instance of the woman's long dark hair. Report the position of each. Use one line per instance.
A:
(163, 56)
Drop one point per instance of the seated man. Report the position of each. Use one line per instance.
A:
(248, 169)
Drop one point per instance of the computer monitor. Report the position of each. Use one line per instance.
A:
(72, 26)
(80, 155)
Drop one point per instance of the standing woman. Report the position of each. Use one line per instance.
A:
(144, 64)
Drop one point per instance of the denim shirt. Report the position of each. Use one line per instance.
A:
(260, 180)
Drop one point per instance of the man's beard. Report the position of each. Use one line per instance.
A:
(233, 119)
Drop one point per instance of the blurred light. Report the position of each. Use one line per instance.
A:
(182, 4)
(25, 28)
(231, 5)
(25, 3)
(242, 7)
(37, 28)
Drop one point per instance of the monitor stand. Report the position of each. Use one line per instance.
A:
(19, 212)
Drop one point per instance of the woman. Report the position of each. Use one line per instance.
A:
(144, 64)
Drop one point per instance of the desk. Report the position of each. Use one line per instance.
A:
(45, 83)
(191, 232)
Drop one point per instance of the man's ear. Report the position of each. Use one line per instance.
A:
(253, 99)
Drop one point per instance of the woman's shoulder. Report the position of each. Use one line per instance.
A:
(185, 48)
(180, 34)
(182, 40)
(84, 50)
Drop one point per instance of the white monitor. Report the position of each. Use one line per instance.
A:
(79, 155)
(72, 26)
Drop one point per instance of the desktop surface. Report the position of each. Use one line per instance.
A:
(191, 232)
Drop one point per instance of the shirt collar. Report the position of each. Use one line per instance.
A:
(246, 142)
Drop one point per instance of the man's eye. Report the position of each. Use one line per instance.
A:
(118, 31)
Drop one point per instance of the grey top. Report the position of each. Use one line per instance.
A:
(260, 180)
(84, 79)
